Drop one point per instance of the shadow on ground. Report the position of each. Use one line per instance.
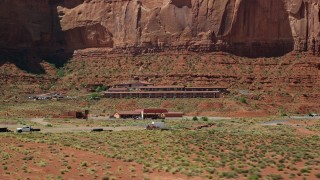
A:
(30, 60)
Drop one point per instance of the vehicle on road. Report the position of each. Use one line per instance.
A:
(26, 129)
(97, 130)
(4, 129)
(157, 126)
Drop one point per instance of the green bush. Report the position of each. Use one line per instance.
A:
(243, 100)
(98, 89)
(305, 170)
(101, 88)
(60, 73)
(253, 177)
(205, 119)
(229, 175)
(275, 177)
(195, 118)
(84, 164)
(95, 96)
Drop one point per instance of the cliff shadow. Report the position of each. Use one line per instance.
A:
(30, 60)
(50, 48)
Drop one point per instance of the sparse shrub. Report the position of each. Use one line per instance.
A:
(195, 118)
(42, 164)
(243, 100)
(205, 119)
(95, 96)
(211, 170)
(60, 73)
(253, 177)
(98, 89)
(28, 158)
(105, 178)
(229, 175)
(275, 177)
(84, 164)
(104, 88)
(305, 170)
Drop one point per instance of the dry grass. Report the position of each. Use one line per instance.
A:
(234, 148)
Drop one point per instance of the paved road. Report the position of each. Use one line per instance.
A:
(210, 118)
(88, 129)
(69, 128)
(39, 121)
(305, 117)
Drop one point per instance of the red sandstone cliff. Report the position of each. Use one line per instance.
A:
(245, 27)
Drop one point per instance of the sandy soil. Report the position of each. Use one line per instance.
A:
(40, 161)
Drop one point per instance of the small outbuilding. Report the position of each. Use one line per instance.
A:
(147, 114)
(73, 115)
(152, 113)
(127, 114)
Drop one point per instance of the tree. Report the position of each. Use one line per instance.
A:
(95, 96)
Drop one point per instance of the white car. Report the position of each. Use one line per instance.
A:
(26, 129)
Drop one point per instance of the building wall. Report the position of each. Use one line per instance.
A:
(162, 95)
(117, 116)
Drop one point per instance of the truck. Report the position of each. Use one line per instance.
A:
(26, 129)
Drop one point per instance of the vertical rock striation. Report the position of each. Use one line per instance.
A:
(243, 27)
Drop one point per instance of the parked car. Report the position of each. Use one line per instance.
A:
(26, 129)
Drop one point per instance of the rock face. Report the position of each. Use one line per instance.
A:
(243, 27)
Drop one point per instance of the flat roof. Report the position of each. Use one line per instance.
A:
(206, 87)
(162, 92)
(155, 87)
(128, 113)
(174, 113)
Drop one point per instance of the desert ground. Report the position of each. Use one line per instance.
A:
(260, 58)
(260, 130)
(231, 148)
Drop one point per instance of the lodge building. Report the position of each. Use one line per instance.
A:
(148, 90)
(163, 94)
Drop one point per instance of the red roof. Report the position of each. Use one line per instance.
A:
(174, 113)
(206, 88)
(158, 87)
(162, 92)
(129, 113)
(155, 111)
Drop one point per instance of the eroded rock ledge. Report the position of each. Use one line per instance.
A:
(244, 27)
